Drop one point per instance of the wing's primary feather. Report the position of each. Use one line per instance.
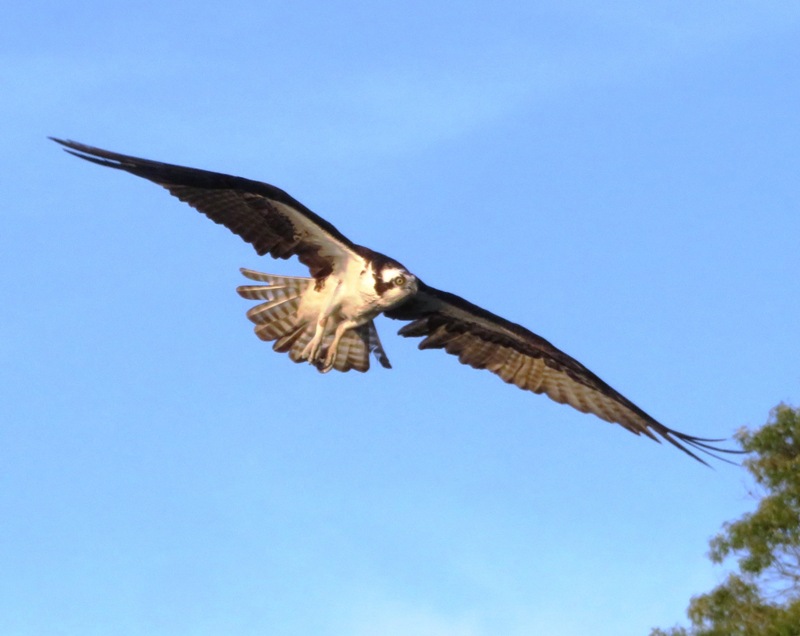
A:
(265, 216)
(484, 340)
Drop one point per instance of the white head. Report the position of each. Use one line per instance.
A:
(394, 283)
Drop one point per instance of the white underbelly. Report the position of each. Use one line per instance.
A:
(339, 301)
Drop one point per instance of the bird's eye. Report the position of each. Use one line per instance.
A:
(400, 281)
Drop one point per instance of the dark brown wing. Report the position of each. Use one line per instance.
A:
(486, 341)
(265, 216)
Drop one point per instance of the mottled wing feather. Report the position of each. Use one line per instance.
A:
(355, 347)
(265, 216)
(352, 352)
(374, 345)
(483, 340)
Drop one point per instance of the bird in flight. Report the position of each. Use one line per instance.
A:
(327, 319)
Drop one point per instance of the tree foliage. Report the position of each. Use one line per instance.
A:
(763, 597)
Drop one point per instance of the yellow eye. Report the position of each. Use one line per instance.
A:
(400, 281)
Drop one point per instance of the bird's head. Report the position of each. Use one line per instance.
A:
(394, 283)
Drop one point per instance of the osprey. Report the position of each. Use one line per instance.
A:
(327, 319)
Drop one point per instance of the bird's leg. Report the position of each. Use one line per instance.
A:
(330, 356)
(311, 351)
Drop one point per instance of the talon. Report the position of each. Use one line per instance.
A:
(311, 351)
(328, 363)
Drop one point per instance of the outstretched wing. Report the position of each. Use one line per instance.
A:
(265, 216)
(485, 341)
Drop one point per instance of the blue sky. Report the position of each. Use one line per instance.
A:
(623, 180)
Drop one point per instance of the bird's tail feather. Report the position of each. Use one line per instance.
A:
(275, 319)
